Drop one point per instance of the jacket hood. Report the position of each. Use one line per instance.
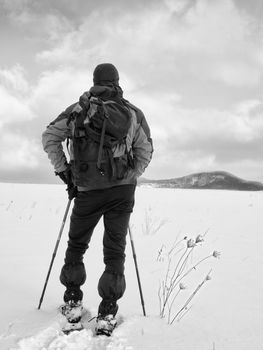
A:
(106, 91)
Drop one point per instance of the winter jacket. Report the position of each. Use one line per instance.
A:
(138, 139)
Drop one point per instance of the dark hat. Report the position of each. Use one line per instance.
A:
(106, 72)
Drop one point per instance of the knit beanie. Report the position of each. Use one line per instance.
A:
(106, 73)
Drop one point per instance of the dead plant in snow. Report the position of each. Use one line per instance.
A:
(151, 223)
(178, 268)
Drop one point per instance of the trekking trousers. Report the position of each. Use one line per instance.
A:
(115, 205)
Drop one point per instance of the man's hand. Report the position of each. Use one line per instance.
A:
(66, 177)
(72, 191)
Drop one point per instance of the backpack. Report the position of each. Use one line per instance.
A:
(101, 156)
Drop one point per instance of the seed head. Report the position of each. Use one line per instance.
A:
(208, 277)
(216, 254)
(182, 286)
(190, 243)
(199, 239)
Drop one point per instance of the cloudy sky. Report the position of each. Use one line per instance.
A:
(195, 67)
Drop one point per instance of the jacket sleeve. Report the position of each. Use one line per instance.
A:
(52, 138)
(142, 146)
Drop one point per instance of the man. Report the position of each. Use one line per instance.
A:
(99, 192)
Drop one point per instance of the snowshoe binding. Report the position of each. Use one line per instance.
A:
(72, 311)
(105, 325)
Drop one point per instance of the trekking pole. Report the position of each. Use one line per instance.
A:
(137, 270)
(54, 253)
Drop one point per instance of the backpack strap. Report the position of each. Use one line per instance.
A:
(102, 138)
(78, 117)
(102, 143)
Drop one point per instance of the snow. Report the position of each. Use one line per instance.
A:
(227, 313)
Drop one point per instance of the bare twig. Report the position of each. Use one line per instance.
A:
(191, 296)
(168, 291)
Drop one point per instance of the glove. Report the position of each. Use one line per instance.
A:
(72, 191)
(66, 177)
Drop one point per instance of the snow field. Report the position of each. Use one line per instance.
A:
(227, 313)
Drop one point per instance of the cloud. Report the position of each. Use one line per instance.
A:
(178, 6)
(15, 5)
(165, 42)
(50, 27)
(18, 152)
(190, 140)
(14, 78)
(56, 90)
(13, 109)
(249, 107)
(26, 110)
(238, 74)
(194, 67)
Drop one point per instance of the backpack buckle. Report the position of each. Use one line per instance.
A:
(102, 172)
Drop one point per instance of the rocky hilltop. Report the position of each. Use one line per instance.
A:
(207, 180)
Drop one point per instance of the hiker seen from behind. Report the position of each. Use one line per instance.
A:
(110, 146)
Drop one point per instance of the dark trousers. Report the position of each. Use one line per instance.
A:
(115, 205)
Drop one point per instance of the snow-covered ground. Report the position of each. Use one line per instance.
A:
(227, 313)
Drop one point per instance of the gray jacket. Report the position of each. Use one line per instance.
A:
(138, 141)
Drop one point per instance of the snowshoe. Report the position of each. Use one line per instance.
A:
(72, 311)
(71, 327)
(105, 325)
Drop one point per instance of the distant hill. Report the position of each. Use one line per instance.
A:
(219, 180)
